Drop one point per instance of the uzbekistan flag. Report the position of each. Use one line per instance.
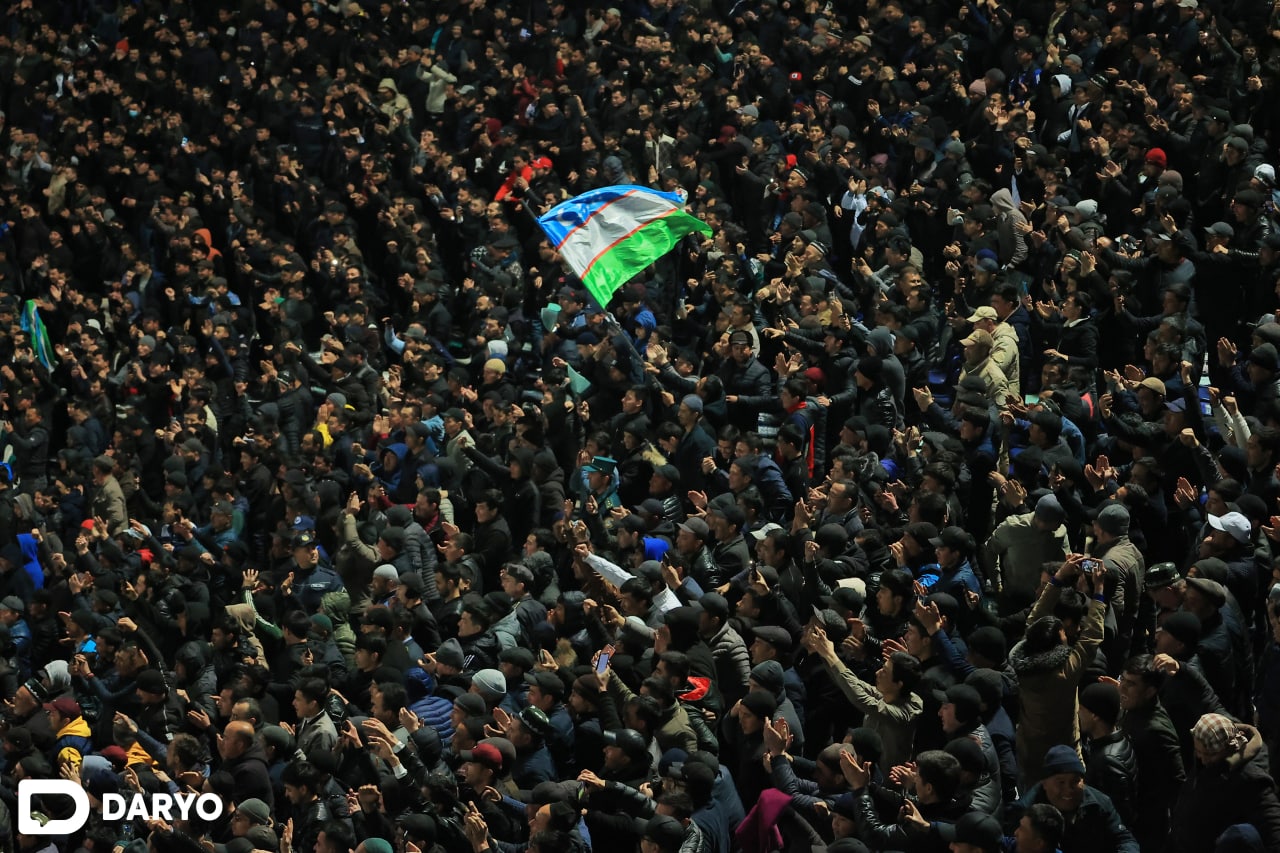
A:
(31, 323)
(609, 235)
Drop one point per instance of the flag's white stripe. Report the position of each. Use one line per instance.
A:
(571, 218)
(609, 224)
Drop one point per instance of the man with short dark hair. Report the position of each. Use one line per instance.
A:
(1156, 746)
(315, 730)
(409, 599)
(748, 385)
(493, 537)
(303, 784)
(30, 443)
(937, 784)
(892, 707)
(1112, 765)
(517, 582)
(1039, 831)
(728, 649)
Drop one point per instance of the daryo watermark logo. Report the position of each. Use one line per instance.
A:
(166, 807)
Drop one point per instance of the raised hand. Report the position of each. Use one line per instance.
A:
(777, 736)
(856, 773)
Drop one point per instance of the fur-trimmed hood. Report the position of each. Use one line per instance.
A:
(1050, 660)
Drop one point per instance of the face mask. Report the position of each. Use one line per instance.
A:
(133, 113)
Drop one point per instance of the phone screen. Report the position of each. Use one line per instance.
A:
(603, 663)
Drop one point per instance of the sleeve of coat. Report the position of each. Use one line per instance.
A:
(1266, 818)
(1209, 701)
(1088, 355)
(423, 553)
(1122, 840)
(862, 696)
(1020, 251)
(1046, 602)
(1087, 643)
(742, 663)
(891, 836)
(783, 776)
(761, 388)
(351, 536)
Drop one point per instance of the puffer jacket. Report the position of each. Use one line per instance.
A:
(433, 710)
(74, 742)
(419, 548)
(1237, 789)
(1112, 768)
(752, 384)
(733, 662)
(988, 793)
(423, 552)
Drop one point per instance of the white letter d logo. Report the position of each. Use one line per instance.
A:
(28, 788)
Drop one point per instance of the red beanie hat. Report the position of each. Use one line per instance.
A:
(1157, 156)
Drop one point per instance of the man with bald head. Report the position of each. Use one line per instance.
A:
(245, 759)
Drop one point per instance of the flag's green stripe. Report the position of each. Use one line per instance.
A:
(33, 325)
(642, 247)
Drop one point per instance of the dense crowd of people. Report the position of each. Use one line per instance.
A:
(928, 505)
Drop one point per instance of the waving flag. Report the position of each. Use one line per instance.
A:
(34, 327)
(609, 235)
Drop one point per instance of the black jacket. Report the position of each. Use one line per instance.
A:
(1235, 790)
(250, 773)
(1160, 770)
(1096, 824)
(752, 384)
(1112, 768)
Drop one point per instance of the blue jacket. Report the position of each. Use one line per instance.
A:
(309, 587)
(532, 767)
(31, 551)
(20, 636)
(956, 581)
(432, 710)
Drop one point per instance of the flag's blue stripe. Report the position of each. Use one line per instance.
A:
(562, 219)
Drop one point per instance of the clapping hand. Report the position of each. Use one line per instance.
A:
(856, 773)
(777, 736)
